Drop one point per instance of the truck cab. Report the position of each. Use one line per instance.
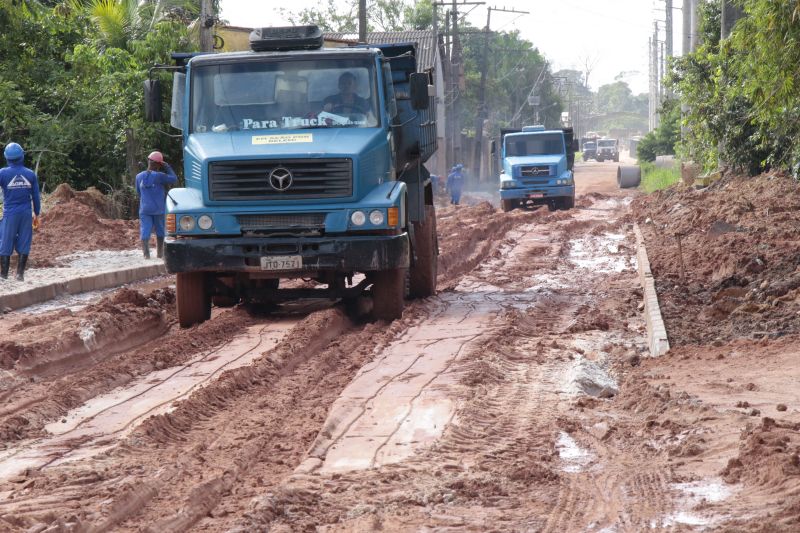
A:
(302, 162)
(607, 150)
(537, 168)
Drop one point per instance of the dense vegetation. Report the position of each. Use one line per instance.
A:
(743, 93)
(71, 76)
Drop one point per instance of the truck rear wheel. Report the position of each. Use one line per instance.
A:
(508, 205)
(389, 293)
(422, 281)
(193, 299)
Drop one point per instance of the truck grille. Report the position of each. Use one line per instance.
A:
(535, 181)
(534, 170)
(310, 178)
(281, 222)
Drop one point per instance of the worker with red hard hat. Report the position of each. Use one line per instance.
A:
(151, 185)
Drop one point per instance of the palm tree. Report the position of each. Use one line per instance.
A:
(122, 21)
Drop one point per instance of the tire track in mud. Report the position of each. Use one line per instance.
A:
(206, 437)
(501, 440)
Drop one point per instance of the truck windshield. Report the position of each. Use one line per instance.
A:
(284, 95)
(606, 144)
(539, 144)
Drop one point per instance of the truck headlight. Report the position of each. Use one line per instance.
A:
(507, 184)
(186, 223)
(204, 222)
(376, 217)
(358, 218)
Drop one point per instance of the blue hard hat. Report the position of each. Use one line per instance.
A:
(13, 152)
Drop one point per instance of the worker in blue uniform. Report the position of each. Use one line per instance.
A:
(151, 185)
(20, 191)
(455, 183)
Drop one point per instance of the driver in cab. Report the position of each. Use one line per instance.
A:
(346, 101)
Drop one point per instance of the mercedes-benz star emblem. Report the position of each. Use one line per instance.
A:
(280, 178)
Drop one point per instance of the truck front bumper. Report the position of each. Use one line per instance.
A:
(319, 254)
(537, 195)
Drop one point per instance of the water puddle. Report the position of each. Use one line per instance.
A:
(575, 458)
(693, 495)
(601, 254)
(97, 424)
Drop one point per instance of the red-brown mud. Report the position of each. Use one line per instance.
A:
(725, 258)
(79, 221)
(560, 423)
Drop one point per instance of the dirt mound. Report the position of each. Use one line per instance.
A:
(91, 197)
(725, 258)
(71, 226)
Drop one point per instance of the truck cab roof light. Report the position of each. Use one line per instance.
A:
(286, 38)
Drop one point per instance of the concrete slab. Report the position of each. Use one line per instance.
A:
(115, 270)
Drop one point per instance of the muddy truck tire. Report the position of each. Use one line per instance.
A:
(193, 298)
(389, 293)
(629, 177)
(508, 205)
(422, 282)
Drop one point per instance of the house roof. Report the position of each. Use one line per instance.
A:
(425, 39)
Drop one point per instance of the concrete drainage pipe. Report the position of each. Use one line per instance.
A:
(628, 177)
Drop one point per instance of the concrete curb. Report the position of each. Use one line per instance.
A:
(92, 282)
(657, 339)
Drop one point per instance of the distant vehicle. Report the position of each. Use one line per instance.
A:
(589, 150)
(537, 167)
(608, 150)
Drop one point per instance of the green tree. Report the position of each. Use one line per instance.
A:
(382, 15)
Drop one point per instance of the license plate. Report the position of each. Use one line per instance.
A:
(282, 262)
(536, 195)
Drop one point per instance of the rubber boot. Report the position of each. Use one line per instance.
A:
(5, 262)
(146, 249)
(159, 247)
(22, 261)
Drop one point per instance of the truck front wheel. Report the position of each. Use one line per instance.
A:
(389, 293)
(568, 202)
(423, 275)
(508, 205)
(193, 298)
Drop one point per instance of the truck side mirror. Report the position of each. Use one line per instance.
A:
(152, 100)
(419, 90)
(493, 147)
(178, 92)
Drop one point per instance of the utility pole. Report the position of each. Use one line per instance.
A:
(730, 14)
(362, 21)
(695, 39)
(482, 114)
(669, 27)
(454, 75)
(686, 42)
(206, 26)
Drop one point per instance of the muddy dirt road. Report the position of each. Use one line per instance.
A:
(519, 398)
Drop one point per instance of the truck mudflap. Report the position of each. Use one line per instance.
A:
(329, 254)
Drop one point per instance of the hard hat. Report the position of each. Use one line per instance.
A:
(156, 156)
(14, 152)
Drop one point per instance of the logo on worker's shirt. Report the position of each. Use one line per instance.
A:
(19, 182)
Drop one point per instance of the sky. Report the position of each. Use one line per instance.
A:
(611, 34)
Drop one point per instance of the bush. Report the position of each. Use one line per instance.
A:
(656, 178)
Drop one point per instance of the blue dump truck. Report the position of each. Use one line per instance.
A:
(536, 167)
(300, 162)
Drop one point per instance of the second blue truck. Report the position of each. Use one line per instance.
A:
(537, 168)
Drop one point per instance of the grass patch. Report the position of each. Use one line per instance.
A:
(655, 178)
